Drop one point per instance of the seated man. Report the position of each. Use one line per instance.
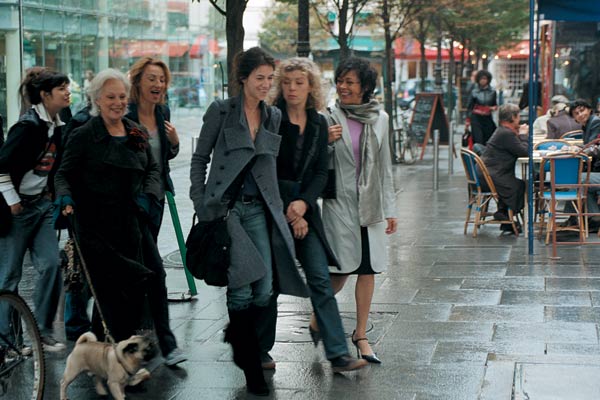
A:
(508, 143)
(540, 125)
(561, 122)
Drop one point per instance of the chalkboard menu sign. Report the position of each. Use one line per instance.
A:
(463, 93)
(429, 115)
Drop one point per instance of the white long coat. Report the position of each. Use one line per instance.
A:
(340, 215)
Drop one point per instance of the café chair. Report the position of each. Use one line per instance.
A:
(481, 192)
(551, 144)
(565, 171)
(574, 135)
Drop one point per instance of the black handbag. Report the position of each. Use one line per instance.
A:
(207, 256)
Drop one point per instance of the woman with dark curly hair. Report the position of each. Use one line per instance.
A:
(482, 103)
(363, 212)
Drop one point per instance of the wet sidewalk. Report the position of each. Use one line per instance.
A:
(454, 317)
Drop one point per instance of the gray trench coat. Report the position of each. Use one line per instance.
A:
(225, 136)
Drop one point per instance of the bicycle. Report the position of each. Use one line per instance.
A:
(406, 146)
(22, 365)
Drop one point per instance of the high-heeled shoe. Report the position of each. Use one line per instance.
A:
(372, 358)
(314, 335)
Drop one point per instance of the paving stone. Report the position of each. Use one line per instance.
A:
(572, 314)
(547, 381)
(474, 297)
(512, 283)
(449, 331)
(573, 349)
(477, 352)
(549, 332)
(564, 271)
(546, 298)
(422, 312)
(533, 313)
(420, 282)
(498, 381)
(456, 270)
(584, 284)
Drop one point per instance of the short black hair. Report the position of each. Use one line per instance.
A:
(482, 73)
(578, 103)
(366, 74)
(247, 61)
(38, 79)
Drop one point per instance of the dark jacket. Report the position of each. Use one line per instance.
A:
(79, 119)
(310, 185)
(500, 157)
(1, 131)
(225, 143)
(167, 150)
(560, 124)
(482, 97)
(591, 129)
(25, 143)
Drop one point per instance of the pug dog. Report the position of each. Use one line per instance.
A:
(119, 365)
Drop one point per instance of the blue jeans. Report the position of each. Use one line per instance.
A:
(32, 230)
(258, 293)
(313, 258)
(76, 317)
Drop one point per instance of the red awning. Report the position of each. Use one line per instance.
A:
(518, 52)
(202, 45)
(178, 49)
(149, 48)
(410, 49)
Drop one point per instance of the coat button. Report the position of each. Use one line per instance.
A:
(218, 182)
(222, 167)
(212, 195)
(226, 153)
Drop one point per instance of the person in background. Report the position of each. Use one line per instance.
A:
(106, 180)
(28, 163)
(482, 103)
(362, 214)
(581, 111)
(150, 80)
(540, 125)
(302, 172)
(239, 139)
(508, 143)
(561, 122)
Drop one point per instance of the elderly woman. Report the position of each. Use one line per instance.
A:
(359, 218)
(482, 102)
(106, 180)
(239, 138)
(302, 172)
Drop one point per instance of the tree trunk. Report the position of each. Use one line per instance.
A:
(388, 71)
(234, 28)
(342, 35)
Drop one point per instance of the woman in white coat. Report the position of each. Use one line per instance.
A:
(362, 214)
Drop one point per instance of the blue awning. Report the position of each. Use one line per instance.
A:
(569, 10)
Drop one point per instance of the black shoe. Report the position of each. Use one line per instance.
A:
(508, 228)
(314, 335)
(372, 358)
(500, 216)
(267, 361)
(347, 363)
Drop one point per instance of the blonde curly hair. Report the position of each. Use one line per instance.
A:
(307, 67)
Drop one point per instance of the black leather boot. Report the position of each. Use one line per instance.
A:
(241, 334)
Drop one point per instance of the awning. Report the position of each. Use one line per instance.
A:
(178, 49)
(518, 52)
(149, 48)
(203, 45)
(563, 10)
(410, 49)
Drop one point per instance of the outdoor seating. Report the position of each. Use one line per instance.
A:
(551, 144)
(480, 198)
(565, 186)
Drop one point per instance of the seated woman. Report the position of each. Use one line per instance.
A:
(502, 150)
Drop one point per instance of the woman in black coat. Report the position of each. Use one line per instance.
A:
(482, 103)
(109, 177)
(302, 174)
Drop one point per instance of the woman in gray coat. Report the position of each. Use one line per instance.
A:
(241, 134)
(362, 214)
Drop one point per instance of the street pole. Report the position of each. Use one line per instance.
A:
(438, 62)
(303, 47)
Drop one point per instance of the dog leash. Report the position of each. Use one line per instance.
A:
(107, 335)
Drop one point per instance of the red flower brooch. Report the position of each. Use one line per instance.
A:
(137, 139)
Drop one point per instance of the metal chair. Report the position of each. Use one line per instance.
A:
(565, 186)
(551, 144)
(479, 197)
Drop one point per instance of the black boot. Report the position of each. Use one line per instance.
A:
(241, 334)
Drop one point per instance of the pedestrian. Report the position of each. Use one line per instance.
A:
(508, 143)
(363, 212)
(302, 167)
(482, 103)
(106, 180)
(241, 134)
(28, 163)
(150, 80)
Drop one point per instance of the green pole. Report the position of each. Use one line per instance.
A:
(180, 241)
